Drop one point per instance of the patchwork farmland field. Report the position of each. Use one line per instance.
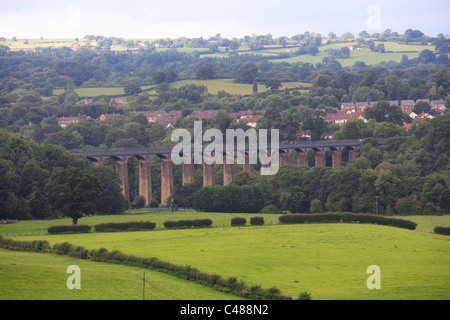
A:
(394, 52)
(329, 261)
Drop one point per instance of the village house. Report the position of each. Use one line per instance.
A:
(86, 101)
(438, 104)
(360, 106)
(161, 116)
(117, 102)
(65, 121)
(342, 116)
(106, 116)
(250, 120)
(423, 100)
(203, 114)
(348, 106)
(407, 106)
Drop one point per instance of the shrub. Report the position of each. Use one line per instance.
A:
(270, 209)
(69, 229)
(257, 221)
(237, 221)
(138, 202)
(442, 230)
(153, 204)
(304, 296)
(41, 246)
(125, 226)
(316, 206)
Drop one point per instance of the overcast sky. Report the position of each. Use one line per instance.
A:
(231, 18)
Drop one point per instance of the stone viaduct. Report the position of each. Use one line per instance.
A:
(167, 186)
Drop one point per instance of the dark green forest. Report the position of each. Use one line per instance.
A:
(408, 175)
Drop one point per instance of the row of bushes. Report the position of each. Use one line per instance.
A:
(188, 223)
(254, 221)
(239, 221)
(143, 226)
(230, 285)
(442, 230)
(103, 227)
(346, 218)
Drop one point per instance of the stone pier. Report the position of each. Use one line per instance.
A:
(122, 169)
(284, 158)
(166, 180)
(247, 165)
(228, 172)
(188, 172)
(320, 158)
(336, 158)
(209, 177)
(145, 180)
(352, 154)
(302, 160)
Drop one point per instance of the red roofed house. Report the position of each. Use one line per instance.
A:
(407, 105)
(250, 120)
(64, 121)
(348, 106)
(203, 114)
(161, 116)
(117, 102)
(106, 116)
(360, 106)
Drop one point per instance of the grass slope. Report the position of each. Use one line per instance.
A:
(329, 261)
(37, 276)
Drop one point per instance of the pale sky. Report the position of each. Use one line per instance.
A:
(231, 18)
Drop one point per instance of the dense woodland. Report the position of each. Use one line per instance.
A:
(409, 175)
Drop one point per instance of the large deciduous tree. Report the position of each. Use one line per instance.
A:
(73, 193)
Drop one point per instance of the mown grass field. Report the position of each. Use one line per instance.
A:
(327, 260)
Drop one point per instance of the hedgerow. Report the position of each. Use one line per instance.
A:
(188, 223)
(442, 230)
(238, 221)
(69, 229)
(125, 226)
(257, 221)
(346, 218)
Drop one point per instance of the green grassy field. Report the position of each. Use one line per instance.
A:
(327, 260)
(231, 87)
(215, 85)
(93, 92)
(37, 276)
(39, 227)
(394, 52)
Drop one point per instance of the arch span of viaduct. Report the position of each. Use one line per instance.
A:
(121, 157)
